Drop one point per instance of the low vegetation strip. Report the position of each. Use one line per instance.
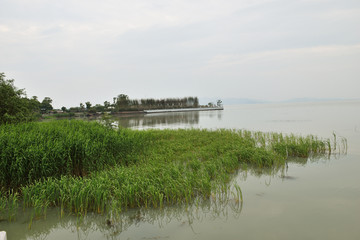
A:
(85, 166)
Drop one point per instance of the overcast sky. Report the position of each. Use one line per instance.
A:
(88, 50)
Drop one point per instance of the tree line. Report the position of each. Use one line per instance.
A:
(15, 106)
(123, 103)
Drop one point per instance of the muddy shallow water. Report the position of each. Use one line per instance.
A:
(308, 199)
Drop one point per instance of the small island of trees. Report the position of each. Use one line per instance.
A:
(122, 103)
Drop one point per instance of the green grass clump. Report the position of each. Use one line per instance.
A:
(9, 203)
(34, 151)
(82, 166)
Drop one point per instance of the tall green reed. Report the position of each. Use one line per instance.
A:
(86, 167)
(34, 151)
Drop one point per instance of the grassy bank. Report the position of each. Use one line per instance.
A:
(81, 166)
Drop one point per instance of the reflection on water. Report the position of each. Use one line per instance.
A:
(225, 205)
(95, 226)
(282, 171)
(157, 120)
(165, 120)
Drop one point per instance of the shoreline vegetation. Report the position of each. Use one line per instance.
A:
(84, 167)
(61, 114)
(16, 107)
(123, 105)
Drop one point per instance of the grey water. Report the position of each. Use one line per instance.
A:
(315, 198)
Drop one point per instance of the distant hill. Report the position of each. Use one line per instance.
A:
(296, 100)
(231, 101)
(234, 101)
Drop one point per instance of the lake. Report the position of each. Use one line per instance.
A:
(309, 199)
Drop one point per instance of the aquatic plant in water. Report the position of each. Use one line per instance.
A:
(87, 167)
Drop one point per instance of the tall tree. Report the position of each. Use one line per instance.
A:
(34, 104)
(196, 102)
(122, 102)
(106, 105)
(88, 105)
(45, 105)
(14, 105)
(82, 107)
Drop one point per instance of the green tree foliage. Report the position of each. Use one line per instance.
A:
(196, 102)
(34, 104)
(14, 105)
(98, 108)
(107, 105)
(122, 102)
(45, 105)
(88, 105)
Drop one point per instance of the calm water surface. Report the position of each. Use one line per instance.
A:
(311, 199)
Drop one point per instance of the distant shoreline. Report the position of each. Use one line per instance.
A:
(122, 113)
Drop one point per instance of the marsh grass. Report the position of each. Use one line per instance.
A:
(9, 204)
(35, 151)
(86, 167)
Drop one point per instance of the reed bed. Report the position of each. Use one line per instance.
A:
(34, 151)
(86, 167)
